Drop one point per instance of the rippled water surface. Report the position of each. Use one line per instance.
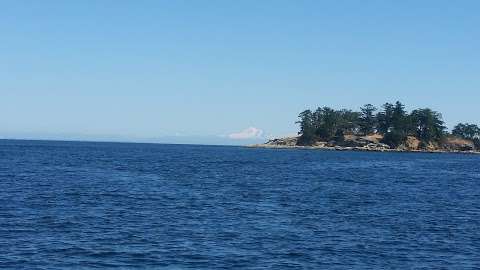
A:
(107, 205)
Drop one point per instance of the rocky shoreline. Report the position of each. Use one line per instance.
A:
(364, 144)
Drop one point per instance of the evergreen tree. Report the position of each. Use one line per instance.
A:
(399, 118)
(330, 124)
(429, 126)
(307, 128)
(327, 122)
(394, 124)
(385, 118)
(367, 119)
(348, 122)
(466, 131)
(469, 132)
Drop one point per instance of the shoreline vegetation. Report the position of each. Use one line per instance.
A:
(390, 129)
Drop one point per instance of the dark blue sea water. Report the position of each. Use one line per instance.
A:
(67, 205)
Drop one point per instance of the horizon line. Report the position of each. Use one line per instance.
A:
(110, 141)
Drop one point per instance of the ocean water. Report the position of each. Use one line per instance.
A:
(73, 205)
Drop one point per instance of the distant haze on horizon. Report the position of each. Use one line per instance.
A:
(227, 72)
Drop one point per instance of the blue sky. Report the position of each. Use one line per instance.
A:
(198, 71)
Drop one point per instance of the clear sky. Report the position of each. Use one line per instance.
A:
(167, 70)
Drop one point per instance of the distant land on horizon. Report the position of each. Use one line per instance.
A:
(191, 140)
(390, 128)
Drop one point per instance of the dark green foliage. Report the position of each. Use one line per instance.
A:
(368, 120)
(466, 131)
(385, 118)
(394, 138)
(429, 126)
(393, 122)
(400, 119)
(326, 124)
(476, 141)
(307, 128)
(469, 132)
(348, 122)
(332, 123)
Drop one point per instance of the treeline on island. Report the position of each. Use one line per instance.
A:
(392, 124)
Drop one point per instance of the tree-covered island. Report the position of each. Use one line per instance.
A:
(389, 128)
